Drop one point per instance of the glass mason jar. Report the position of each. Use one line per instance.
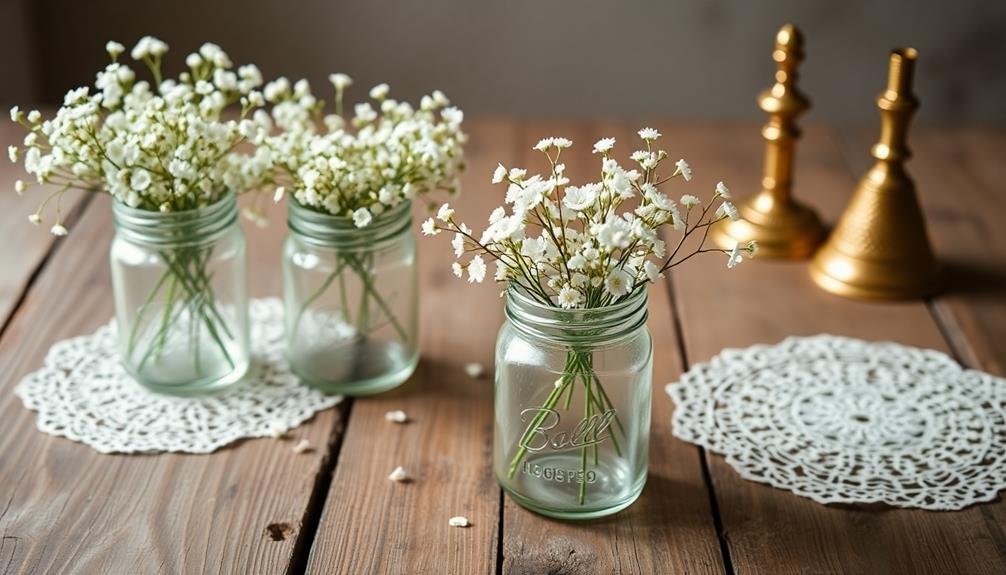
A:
(181, 301)
(573, 406)
(351, 300)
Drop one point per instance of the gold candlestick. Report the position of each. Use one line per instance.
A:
(783, 227)
(879, 248)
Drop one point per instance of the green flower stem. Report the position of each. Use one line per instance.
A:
(578, 369)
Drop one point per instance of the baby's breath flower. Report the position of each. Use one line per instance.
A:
(58, 230)
(722, 191)
(544, 144)
(457, 269)
(114, 49)
(430, 227)
(15, 114)
(340, 81)
(380, 91)
(649, 134)
(445, 213)
(499, 174)
(12, 154)
(604, 145)
(20, 187)
(690, 201)
(34, 116)
(562, 143)
(735, 256)
(35, 219)
(569, 297)
(477, 270)
(729, 210)
(362, 217)
(617, 283)
(752, 248)
(684, 169)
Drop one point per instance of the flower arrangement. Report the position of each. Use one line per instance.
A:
(357, 169)
(161, 145)
(586, 246)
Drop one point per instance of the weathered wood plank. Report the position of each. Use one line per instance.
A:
(26, 245)
(373, 525)
(773, 531)
(670, 528)
(67, 509)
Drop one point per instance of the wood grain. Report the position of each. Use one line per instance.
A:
(669, 528)
(373, 525)
(64, 508)
(773, 531)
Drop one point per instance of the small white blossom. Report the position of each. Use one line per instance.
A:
(562, 143)
(362, 218)
(15, 114)
(114, 49)
(729, 210)
(499, 174)
(380, 91)
(735, 256)
(34, 116)
(20, 187)
(58, 230)
(569, 297)
(12, 154)
(445, 213)
(604, 145)
(690, 201)
(430, 227)
(652, 271)
(649, 134)
(542, 145)
(684, 169)
(618, 283)
(722, 191)
(477, 270)
(340, 81)
(457, 269)
(277, 196)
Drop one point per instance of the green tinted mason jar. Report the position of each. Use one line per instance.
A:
(572, 406)
(351, 300)
(181, 300)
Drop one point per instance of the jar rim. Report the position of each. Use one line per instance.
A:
(585, 326)
(192, 226)
(332, 230)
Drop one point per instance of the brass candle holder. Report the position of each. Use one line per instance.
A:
(879, 248)
(783, 227)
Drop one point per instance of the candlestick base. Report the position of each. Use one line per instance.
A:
(784, 230)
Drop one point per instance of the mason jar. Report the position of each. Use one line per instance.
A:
(351, 300)
(572, 406)
(181, 300)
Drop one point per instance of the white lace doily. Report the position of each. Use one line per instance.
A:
(84, 394)
(841, 420)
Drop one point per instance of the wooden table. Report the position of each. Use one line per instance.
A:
(258, 507)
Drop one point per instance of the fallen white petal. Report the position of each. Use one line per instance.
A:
(398, 416)
(458, 521)
(302, 446)
(399, 474)
(474, 370)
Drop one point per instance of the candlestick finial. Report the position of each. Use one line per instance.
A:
(880, 249)
(783, 227)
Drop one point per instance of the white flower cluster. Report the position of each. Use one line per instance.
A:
(155, 146)
(574, 246)
(387, 155)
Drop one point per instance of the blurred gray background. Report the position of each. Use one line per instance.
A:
(702, 59)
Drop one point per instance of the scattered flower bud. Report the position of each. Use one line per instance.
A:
(474, 370)
(35, 219)
(399, 475)
(458, 521)
(303, 446)
(114, 49)
(58, 230)
(397, 416)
